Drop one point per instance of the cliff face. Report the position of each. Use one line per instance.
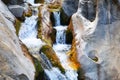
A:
(97, 42)
(70, 6)
(13, 63)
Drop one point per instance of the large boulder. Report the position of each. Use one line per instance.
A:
(17, 11)
(13, 63)
(97, 42)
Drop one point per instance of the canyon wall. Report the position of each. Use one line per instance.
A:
(14, 65)
(96, 29)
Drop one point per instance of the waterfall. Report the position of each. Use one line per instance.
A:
(60, 35)
(45, 61)
(57, 18)
(28, 35)
(28, 28)
(61, 49)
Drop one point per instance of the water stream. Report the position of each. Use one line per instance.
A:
(28, 35)
(61, 49)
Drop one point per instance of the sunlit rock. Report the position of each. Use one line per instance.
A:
(98, 41)
(44, 25)
(12, 60)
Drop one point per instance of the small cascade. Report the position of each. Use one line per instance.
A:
(29, 28)
(45, 61)
(60, 36)
(28, 35)
(57, 18)
(61, 49)
(55, 74)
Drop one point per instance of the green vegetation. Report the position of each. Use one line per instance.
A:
(50, 53)
(28, 14)
(17, 26)
(39, 74)
(95, 59)
(39, 1)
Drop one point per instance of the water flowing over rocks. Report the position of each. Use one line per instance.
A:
(59, 39)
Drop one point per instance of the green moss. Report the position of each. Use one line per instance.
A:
(17, 26)
(54, 6)
(39, 74)
(39, 1)
(39, 28)
(50, 38)
(28, 14)
(95, 59)
(50, 53)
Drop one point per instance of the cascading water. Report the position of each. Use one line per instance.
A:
(60, 36)
(61, 48)
(28, 35)
(57, 18)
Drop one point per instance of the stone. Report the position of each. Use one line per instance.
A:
(88, 9)
(13, 2)
(5, 77)
(44, 25)
(12, 59)
(17, 11)
(98, 38)
(70, 6)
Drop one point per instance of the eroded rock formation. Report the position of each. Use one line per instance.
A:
(13, 64)
(45, 30)
(97, 42)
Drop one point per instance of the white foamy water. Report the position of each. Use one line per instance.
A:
(55, 74)
(28, 35)
(57, 18)
(60, 35)
(28, 28)
(61, 49)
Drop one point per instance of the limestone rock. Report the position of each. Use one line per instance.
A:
(88, 9)
(99, 38)
(12, 60)
(70, 6)
(45, 26)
